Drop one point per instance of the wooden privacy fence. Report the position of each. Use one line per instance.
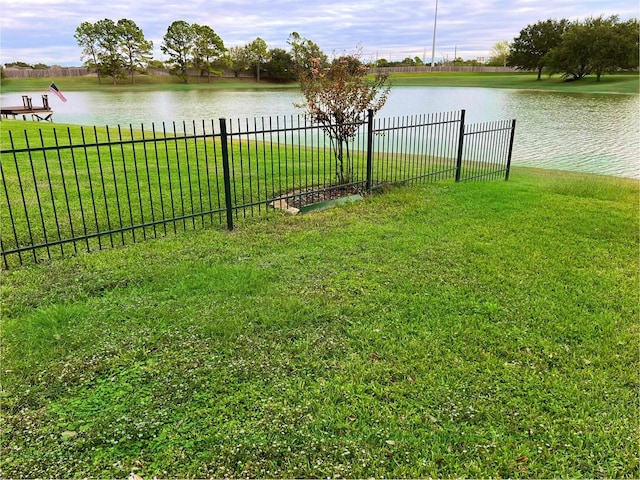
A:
(81, 189)
(50, 72)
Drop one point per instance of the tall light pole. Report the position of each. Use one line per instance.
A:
(433, 51)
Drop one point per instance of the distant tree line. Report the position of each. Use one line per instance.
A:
(37, 66)
(595, 46)
(114, 49)
(573, 49)
(418, 62)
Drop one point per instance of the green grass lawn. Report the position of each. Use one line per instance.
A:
(453, 330)
(134, 189)
(620, 83)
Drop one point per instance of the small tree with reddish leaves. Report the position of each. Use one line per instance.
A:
(338, 98)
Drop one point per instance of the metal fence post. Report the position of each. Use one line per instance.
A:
(513, 131)
(369, 184)
(460, 146)
(225, 172)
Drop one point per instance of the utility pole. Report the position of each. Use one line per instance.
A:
(433, 51)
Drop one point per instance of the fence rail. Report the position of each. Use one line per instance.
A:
(82, 189)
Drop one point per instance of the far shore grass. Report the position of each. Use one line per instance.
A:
(621, 83)
(627, 83)
(479, 330)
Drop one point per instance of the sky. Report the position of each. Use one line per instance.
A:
(42, 31)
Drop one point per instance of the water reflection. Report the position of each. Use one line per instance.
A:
(598, 134)
(582, 132)
(587, 133)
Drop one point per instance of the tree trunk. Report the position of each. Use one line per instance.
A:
(340, 163)
(97, 67)
(348, 163)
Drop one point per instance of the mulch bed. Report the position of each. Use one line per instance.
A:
(301, 198)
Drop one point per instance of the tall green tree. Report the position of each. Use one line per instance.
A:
(571, 57)
(596, 46)
(601, 39)
(238, 59)
(530, 50)
(257, 52)
(280, 65)
(178, 43)
(499, 53)
(87, 36)
(612, 45)
(111, 47)
(337, 97)
(305, 54)
(208, 48)
(110, 58)
(136, 50)
(628, 38)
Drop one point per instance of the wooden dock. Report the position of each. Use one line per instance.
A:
(43, 113)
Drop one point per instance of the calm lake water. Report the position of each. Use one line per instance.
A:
(580, 132)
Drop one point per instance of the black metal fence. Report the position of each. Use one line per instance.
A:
(84, 188)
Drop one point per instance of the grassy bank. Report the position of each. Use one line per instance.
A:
(143, 82)
(627, 84)
(452, 330)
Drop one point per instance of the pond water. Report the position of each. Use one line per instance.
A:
(580, 132)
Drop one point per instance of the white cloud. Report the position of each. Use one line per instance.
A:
(39, 30)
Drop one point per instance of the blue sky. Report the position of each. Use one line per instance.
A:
(41, 31)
